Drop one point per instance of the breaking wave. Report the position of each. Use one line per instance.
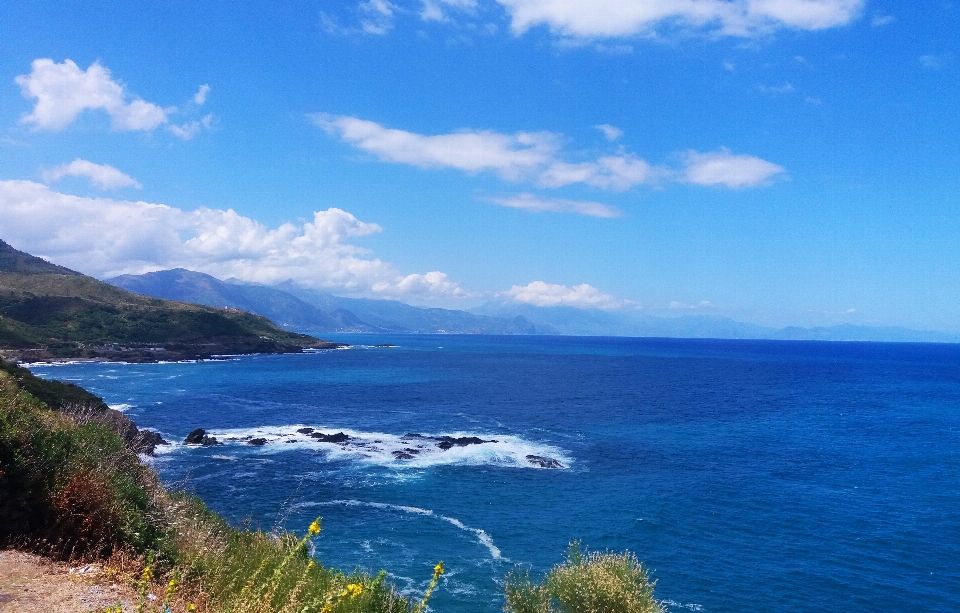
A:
(412, 450)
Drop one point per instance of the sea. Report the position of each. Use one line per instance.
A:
(747, 476)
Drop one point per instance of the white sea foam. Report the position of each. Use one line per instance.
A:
(122, 407)
(382, 448)
(482, 536)
(681, 605)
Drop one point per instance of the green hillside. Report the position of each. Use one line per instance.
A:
(47, 311)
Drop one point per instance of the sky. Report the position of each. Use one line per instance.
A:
(783, 162)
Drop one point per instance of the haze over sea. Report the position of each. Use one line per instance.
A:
(748, 475)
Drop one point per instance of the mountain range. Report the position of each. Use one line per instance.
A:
(294, 307)
(310, 311)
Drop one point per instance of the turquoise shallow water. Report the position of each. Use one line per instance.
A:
(748, 475)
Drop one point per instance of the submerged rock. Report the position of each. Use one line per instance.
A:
(402, 455)
(305, 430)
(257, 442)
(446, 442)
(544, 462)
(339, 437)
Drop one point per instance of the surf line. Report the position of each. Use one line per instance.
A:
(481, 535)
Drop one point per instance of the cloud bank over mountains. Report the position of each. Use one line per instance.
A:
(106, 237)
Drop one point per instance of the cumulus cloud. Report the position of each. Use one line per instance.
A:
(620, 18)
(537, 157)
(611, 133)
(584, 296)
(724, 168)
(63, 91)
(103, 176)
(106, 237)
(535, 204)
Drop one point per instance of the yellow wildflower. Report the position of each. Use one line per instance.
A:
(355, 589)
(191, 608)
(438, 569)
(315, 527)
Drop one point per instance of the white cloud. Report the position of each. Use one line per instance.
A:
(611, 133)
(377, 16)
(433, 9)
(882, 20)
(537, 157)
(703, 304)
(510, 156)
(620, 18)
(584, 296)
(535, 204)
(201, 96)
(106, 237)
(616, 172)
(63, 91)
(190, 129)
(724, 168)
(101, 175)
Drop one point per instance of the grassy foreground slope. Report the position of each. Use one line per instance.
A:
(47, 311)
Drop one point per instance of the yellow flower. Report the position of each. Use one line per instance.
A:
(191, 608)
(438, 569)
(355, 589)
(147, 573)
(315, 527)
(310, 565)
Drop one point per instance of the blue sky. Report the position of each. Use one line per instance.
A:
(775, 161)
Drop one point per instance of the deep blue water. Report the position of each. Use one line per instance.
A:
(748, 475)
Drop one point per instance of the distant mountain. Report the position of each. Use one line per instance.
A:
(47, 311)
(570, 320)
(295, 308)
(395, 316)
(187, 286)
(307, 310)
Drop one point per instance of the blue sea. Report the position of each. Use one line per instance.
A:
(746, 475)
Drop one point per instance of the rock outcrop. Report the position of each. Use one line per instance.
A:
(199, 437)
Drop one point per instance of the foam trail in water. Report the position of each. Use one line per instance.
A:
(481, 535)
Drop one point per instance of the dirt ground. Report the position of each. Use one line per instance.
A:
(31, 584)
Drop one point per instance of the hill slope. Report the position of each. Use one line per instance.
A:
(47, 311)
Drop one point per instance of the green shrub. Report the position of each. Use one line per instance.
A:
(69, 490)
(586, 583)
